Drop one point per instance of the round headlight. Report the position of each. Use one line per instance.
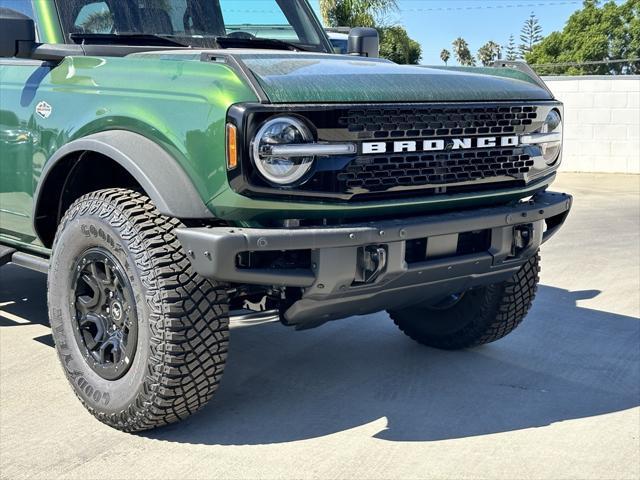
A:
(280, 169)
(551, 150)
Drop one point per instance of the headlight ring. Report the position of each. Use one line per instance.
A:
(280, 169)
(552, 126)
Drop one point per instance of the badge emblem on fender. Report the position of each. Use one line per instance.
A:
(44, 110)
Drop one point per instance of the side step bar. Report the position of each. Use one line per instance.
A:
(26, 260)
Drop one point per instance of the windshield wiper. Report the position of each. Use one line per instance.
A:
(134, 39)
(257, 42)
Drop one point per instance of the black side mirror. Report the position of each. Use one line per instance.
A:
(364, 42)
(17, 34)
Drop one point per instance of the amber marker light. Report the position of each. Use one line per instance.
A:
(232, 146)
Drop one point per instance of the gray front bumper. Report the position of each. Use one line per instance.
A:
(329, 289)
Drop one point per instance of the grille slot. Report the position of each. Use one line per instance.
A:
(382, 172)
(438, 122)
(440, 154)
(378, 173)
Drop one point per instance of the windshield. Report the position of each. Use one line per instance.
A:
(195, 23)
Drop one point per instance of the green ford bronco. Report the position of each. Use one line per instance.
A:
(169, 163)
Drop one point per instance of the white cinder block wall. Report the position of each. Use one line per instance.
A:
(602, 122)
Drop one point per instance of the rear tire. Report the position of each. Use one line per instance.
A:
(163, 360)
(482, 315)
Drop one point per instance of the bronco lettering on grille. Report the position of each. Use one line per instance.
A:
(439, 144)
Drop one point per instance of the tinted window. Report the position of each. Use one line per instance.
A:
(94, 18)
(193, 22)
(339, 45)
(260, 18)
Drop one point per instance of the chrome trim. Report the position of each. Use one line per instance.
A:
(259, 152)
(309, 150)
(537, 138)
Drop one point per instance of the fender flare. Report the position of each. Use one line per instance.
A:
(157, 172)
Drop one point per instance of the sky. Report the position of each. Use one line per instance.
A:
(436, 23)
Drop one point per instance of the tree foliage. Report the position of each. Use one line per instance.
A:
(445, 55)
(510, 50)
(462, 52)
(355, 13)
(98, 22)
(489, 52)
(530, 35)
(597, 32)
(395, 45)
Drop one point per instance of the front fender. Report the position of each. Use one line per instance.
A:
(155, 170)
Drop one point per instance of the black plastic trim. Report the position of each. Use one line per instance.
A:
(6, 253)
(213, 251)
(524, 67)
(157, 172)
(58, 51)
(242, 116)
(236, 63)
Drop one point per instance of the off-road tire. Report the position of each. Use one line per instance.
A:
(482, 315)
(182, 318)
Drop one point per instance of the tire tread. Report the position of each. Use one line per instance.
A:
(188, 314)
(498, 311)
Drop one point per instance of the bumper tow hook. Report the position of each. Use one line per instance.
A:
(372, 261)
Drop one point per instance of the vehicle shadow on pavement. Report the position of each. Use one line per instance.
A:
(565, 362)
(23, 300)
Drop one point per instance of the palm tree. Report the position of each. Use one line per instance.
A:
(98, 22)
(462, 52)
(489, 53)
(354, 13)
(445, 55)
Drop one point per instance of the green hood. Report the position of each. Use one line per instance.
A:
(319, 78)
(291, 77)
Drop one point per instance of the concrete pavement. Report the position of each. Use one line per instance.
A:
(559, 398)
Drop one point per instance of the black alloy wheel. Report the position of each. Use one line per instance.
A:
(106, 327)
(141, 337)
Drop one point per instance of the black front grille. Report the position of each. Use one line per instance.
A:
(438, 122)
(382, 172)
(454, 168)
(393, 171)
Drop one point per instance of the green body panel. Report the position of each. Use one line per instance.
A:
(231, 206)
(181, 106)
(288, 77)
(302, 78)
(181, 103)
(49, 30)
(491, 71)
(321, 78)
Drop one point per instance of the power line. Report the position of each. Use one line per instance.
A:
(490, 7)
(494, 6)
